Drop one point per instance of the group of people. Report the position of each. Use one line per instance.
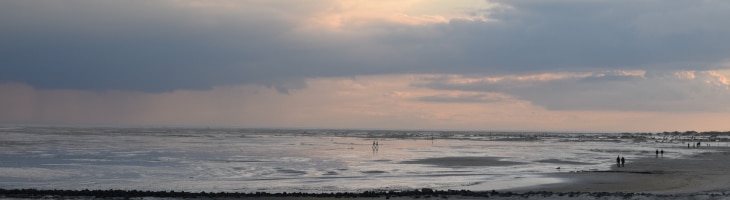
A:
(659, 152)
(620, 161)
(375, 145)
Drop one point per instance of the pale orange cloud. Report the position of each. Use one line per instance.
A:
(358, 13)
(382, 102)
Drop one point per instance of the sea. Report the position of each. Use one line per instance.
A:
(312, 161)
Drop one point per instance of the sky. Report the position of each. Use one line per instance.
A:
(507, 65)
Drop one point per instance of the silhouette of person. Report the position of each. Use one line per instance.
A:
(688, 145)
(698, 144)
(657, 153)
(662, 152)
(623, 162)
(618, 161)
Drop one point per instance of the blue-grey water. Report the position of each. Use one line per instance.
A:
(251, 160)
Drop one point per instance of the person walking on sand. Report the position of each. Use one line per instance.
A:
(623, 162)
(662, 152)
(657, 153)
(618, 161)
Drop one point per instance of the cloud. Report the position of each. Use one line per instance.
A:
(654, 91)
(143, 46)
(168, 45)
(462, 98)
(368, 102)
(364, 102)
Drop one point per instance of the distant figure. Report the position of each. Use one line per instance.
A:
(698, 144)
(688, 145)
(657, 153)
(623, 162)
(618, 161)
(662, 152)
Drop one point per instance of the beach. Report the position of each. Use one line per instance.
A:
(306, 164)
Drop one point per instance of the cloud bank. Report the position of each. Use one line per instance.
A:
(168, 45)
(686, 91)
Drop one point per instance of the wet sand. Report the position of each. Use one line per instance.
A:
(704, 172)
(462, 161)
(702, 176)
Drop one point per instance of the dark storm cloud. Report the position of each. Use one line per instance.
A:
(165, 45)
(594, 35)
(101, 45)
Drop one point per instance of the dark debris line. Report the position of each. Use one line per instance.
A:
(34, 193)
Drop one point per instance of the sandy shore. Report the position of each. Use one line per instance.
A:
(704, 172)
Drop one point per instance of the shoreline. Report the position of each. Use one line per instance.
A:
(233, 164)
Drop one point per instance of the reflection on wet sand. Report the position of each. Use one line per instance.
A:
(166, 159)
